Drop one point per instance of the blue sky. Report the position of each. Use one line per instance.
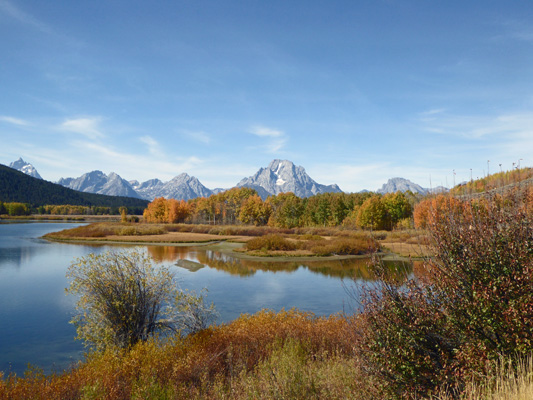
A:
(354, 91)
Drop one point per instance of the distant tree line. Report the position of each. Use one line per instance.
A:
(286, 210)
(18, 209)
(14, 209)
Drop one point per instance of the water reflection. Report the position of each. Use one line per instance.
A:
(193, 258)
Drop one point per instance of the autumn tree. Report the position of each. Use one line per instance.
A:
(123, 214)
(156, 211)
(372, 214)
(177, 211)
(255, 211)
(433, 209)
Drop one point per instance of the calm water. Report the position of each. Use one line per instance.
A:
(34, 310)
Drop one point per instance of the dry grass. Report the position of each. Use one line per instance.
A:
(507, 383)
(138, 233)
(275, 245)
(407, 249)
(175, 237)
(289, 355)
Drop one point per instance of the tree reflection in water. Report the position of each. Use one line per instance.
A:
(342, 268)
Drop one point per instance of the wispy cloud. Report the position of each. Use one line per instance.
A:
(89, 127)
(198, 136)
(432, 112)
(265, 132)
(277, 138)
(14, 121)
(153, 145)
(371, 176)
(16, 13)
(505, 125)
(138, 166)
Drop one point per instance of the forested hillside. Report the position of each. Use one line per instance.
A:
(15, 186)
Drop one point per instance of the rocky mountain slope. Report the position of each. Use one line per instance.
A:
(283, 176)
(394, 185)
(182, 187)
(100, 183)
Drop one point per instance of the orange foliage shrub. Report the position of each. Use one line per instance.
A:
(435, 209)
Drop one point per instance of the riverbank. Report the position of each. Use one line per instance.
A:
(283, 245)
(275, 244)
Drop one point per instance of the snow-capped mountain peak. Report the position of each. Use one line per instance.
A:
(25, 167)
(283, 176)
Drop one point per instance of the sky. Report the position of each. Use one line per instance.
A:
(356, 92)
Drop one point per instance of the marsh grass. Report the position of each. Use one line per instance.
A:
(289, 355)
(314, 244)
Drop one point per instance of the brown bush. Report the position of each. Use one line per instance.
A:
(342, 246)
(269, 243)
(473, 305)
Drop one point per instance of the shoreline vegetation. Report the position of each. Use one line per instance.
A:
(274, 243)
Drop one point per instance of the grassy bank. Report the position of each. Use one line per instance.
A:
(261, 241)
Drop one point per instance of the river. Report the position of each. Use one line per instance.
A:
(35, 312)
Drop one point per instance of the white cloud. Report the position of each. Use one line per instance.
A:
(198, 136)
(88, 127)
(277, 139)
(263, 131)
(14, 121)
(276, 145)
(153, 145)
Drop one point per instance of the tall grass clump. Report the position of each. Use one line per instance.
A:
(343, 246)
(270, 242)
(474, 305)
(510, 380)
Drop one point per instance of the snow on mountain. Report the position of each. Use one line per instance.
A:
(394, 185)
(27, 168)
(149, 189)
(181, 187)
(100, 183)
(283, 176)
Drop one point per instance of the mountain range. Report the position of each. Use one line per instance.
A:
(16, 186)
(278, 177)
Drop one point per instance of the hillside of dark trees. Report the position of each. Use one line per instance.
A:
(16, 186)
